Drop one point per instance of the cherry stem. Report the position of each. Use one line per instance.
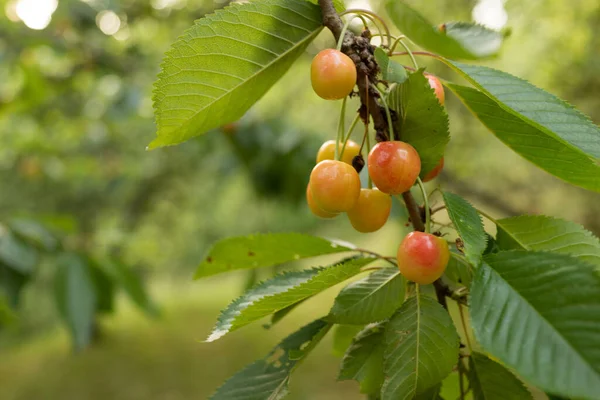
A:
(387, 109)
(344, 29)
(426, 205)
(391, 260)
(464, 326)
(408, 52)
(341, 129)
(374, 18)
(347, 137)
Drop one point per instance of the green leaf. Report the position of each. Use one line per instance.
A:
(422, 121)
(459, 270)
(76, 298)
(541, 233)
(268, 379)
(391, 71)
(35, 233)
(226, 62)
(371, 299)
(104, 288)
(282, 291)
(432, 393)
(363, 361)
(131, 284)
(539, 313)
(343, 336)
(264, 250)
(546, 151)
(535, 106)
(468, 224)
(16, 254)
(491, 381)
(279, 315)
(11, 284)
(421, 348)
(460, 40)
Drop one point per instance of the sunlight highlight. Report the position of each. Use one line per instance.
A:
(35, 14)
(490, 13)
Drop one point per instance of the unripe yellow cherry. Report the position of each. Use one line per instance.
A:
(334, 185)
(332, 74)
(327, 151)
(423, 257)
(371, 210)
(315, 208)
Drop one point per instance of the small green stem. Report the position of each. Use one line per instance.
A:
(373, 17)
(408, 52)
(343, 34)
(347, 137)
(426, 205)
(464, 326)
(341, 129)
(387, 109)
(488, 216)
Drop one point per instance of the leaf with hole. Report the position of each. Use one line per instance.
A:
(546, 151)
(265, 250)
(371, 299)
(363, 361)
(492, 381)
(268, 379)
(226, 62)
(468, 224)
(421, 348)
(542, 233)
(422, 121)
(282, 291)
(539, 313)
(459, 40)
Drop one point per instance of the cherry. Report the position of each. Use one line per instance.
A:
(334, 185)
(422, 257)
(333, 74)
(437, 86)
(371, 210)
(315, 208)
(394, 166)
(435, 171)
(327, 151)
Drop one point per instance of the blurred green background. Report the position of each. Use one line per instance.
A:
(76, 114)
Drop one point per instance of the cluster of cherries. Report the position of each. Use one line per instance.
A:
(393, 166)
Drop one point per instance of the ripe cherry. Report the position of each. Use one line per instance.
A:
(334, 185)
(422, 257)
(327, 151)
(435, 171)
(437, 86)
(371, 210)
(394, 166)
(315, 208)
(333, 74)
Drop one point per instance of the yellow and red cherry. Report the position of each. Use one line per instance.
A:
(314, 208)
(394, 166)
(438, 88)
(371, 211)
(334, 186)
(327, 151)
(422, 257)
(332, 74)
(435, 171)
